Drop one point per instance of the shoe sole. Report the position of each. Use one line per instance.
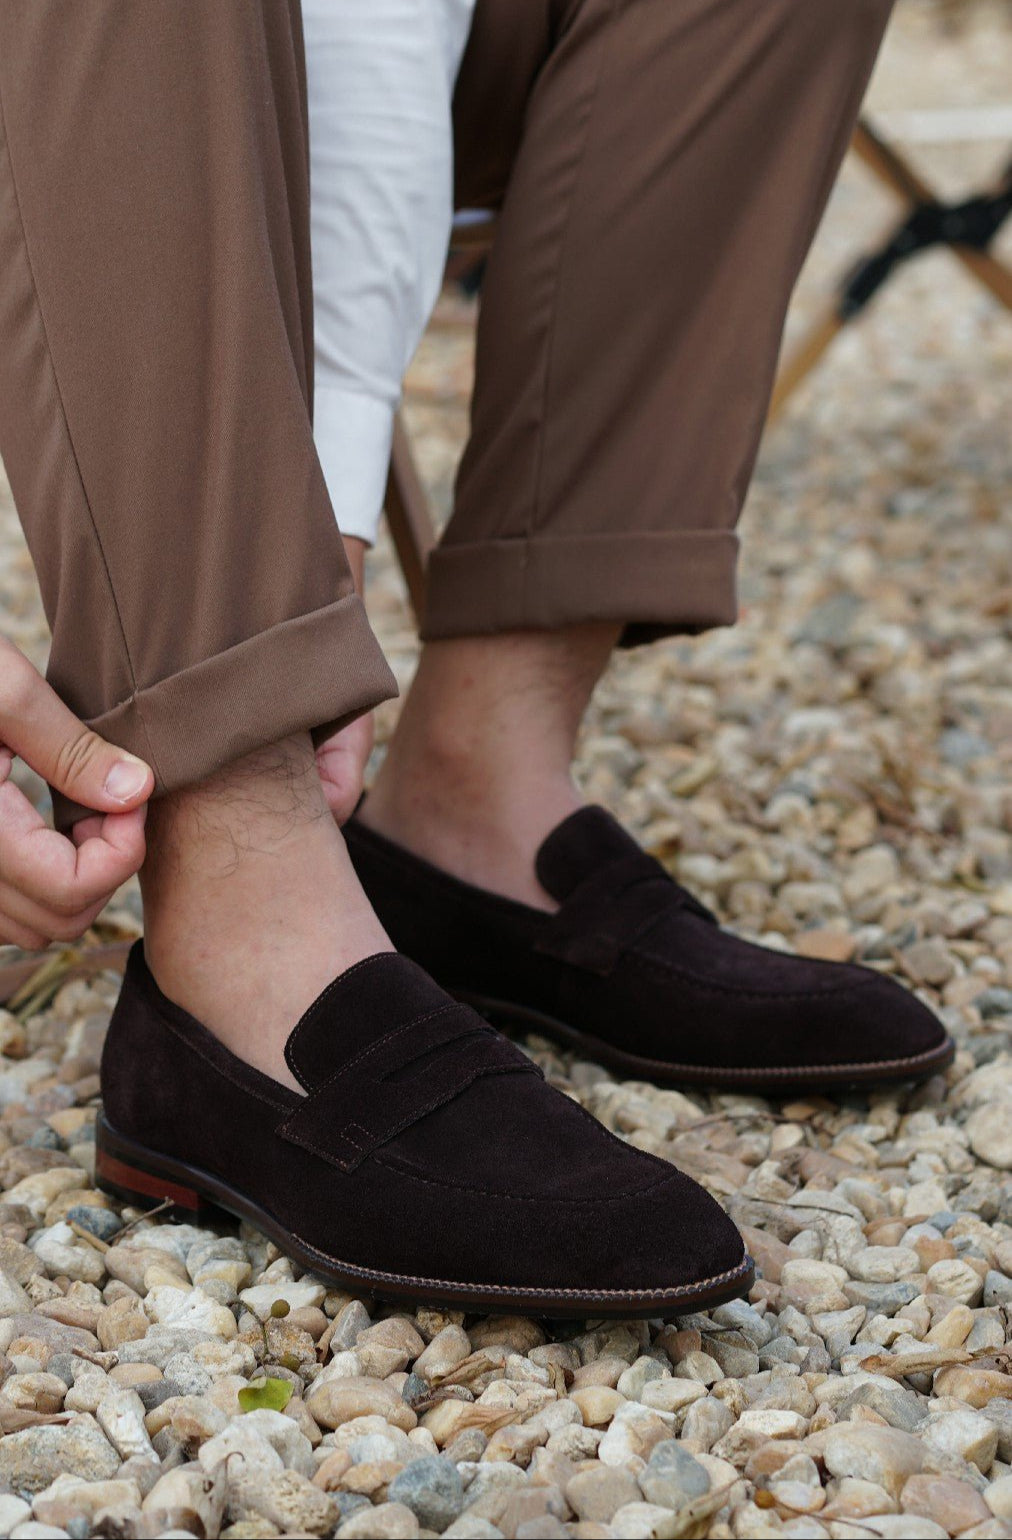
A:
(144, 1179)
(772, 1079)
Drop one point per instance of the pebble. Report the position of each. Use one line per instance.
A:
(285, 1499)
(957, 1280)
(387, 1521)
(31, 1459)
(953, 1504)
(965, 1434)
(445, 1351)
(989, 1131)
(884, 1456)
(595, 1494)
(297, 1295)
(673, 1477)
(187, 1498)
(432, 1489)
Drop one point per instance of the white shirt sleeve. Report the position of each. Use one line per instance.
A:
(380, 78)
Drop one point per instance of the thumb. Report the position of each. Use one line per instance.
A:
(47, 735)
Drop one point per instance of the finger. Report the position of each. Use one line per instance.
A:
(35, 724)
(85, 829)
(48, 868)
(13, 934)
(35, 917)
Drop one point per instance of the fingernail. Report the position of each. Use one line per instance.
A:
(126, 779)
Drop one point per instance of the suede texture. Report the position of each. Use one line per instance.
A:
(631, 959)
(427, 1145)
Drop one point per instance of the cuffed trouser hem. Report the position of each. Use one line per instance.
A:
(651, 582)
(315, 673)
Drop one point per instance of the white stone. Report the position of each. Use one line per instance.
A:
(120, 1415)
(260, 1297)
(989, 1130)
(967, 1434)
(13, 1510)
(280, 1434)
(61, 1252)
(883, 1264)
(168, 1305)
(646, 1521)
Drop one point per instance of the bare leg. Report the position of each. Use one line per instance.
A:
(251, 905)
(480, 767)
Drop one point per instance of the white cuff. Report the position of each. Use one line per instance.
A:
(353, 434)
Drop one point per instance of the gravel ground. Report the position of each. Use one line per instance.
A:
(832, 776)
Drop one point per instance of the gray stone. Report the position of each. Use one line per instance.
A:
(780, 1350)
(154, 1392)
(994, 1002)
(735, 1354)
(738, 1315)
(673, 1477)
(901, 1408)
(432, 1489)
(191, 1378)
(97, 1221)
(348, 1503)
(881, 1298)
(63, 1365)
(997, 1288)
(160, 1343)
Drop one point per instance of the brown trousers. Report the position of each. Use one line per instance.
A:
(660, 168)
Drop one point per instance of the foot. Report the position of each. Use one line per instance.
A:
(423, 1157)
(632, 972)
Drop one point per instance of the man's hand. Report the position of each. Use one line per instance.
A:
(341, 760)
(52, 886)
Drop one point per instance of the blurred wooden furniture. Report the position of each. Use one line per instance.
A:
(967, 228)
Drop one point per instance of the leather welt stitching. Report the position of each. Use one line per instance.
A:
(675, 1291)
(791, 1069)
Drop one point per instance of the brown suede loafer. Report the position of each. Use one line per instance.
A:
(633, 973)
(429, 1160)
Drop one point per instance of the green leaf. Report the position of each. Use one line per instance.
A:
(268, 1394)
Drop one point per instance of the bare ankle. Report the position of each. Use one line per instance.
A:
(479, 769)
(251, 904)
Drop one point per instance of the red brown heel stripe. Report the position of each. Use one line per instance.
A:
(142, 1182)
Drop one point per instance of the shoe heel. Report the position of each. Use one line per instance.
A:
(123, 1176)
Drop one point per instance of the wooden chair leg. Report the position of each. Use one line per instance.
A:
(409, 517)
(890, 167)
(893, 170)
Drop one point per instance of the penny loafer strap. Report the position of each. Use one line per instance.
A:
(610, 910)
(396, 1081)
